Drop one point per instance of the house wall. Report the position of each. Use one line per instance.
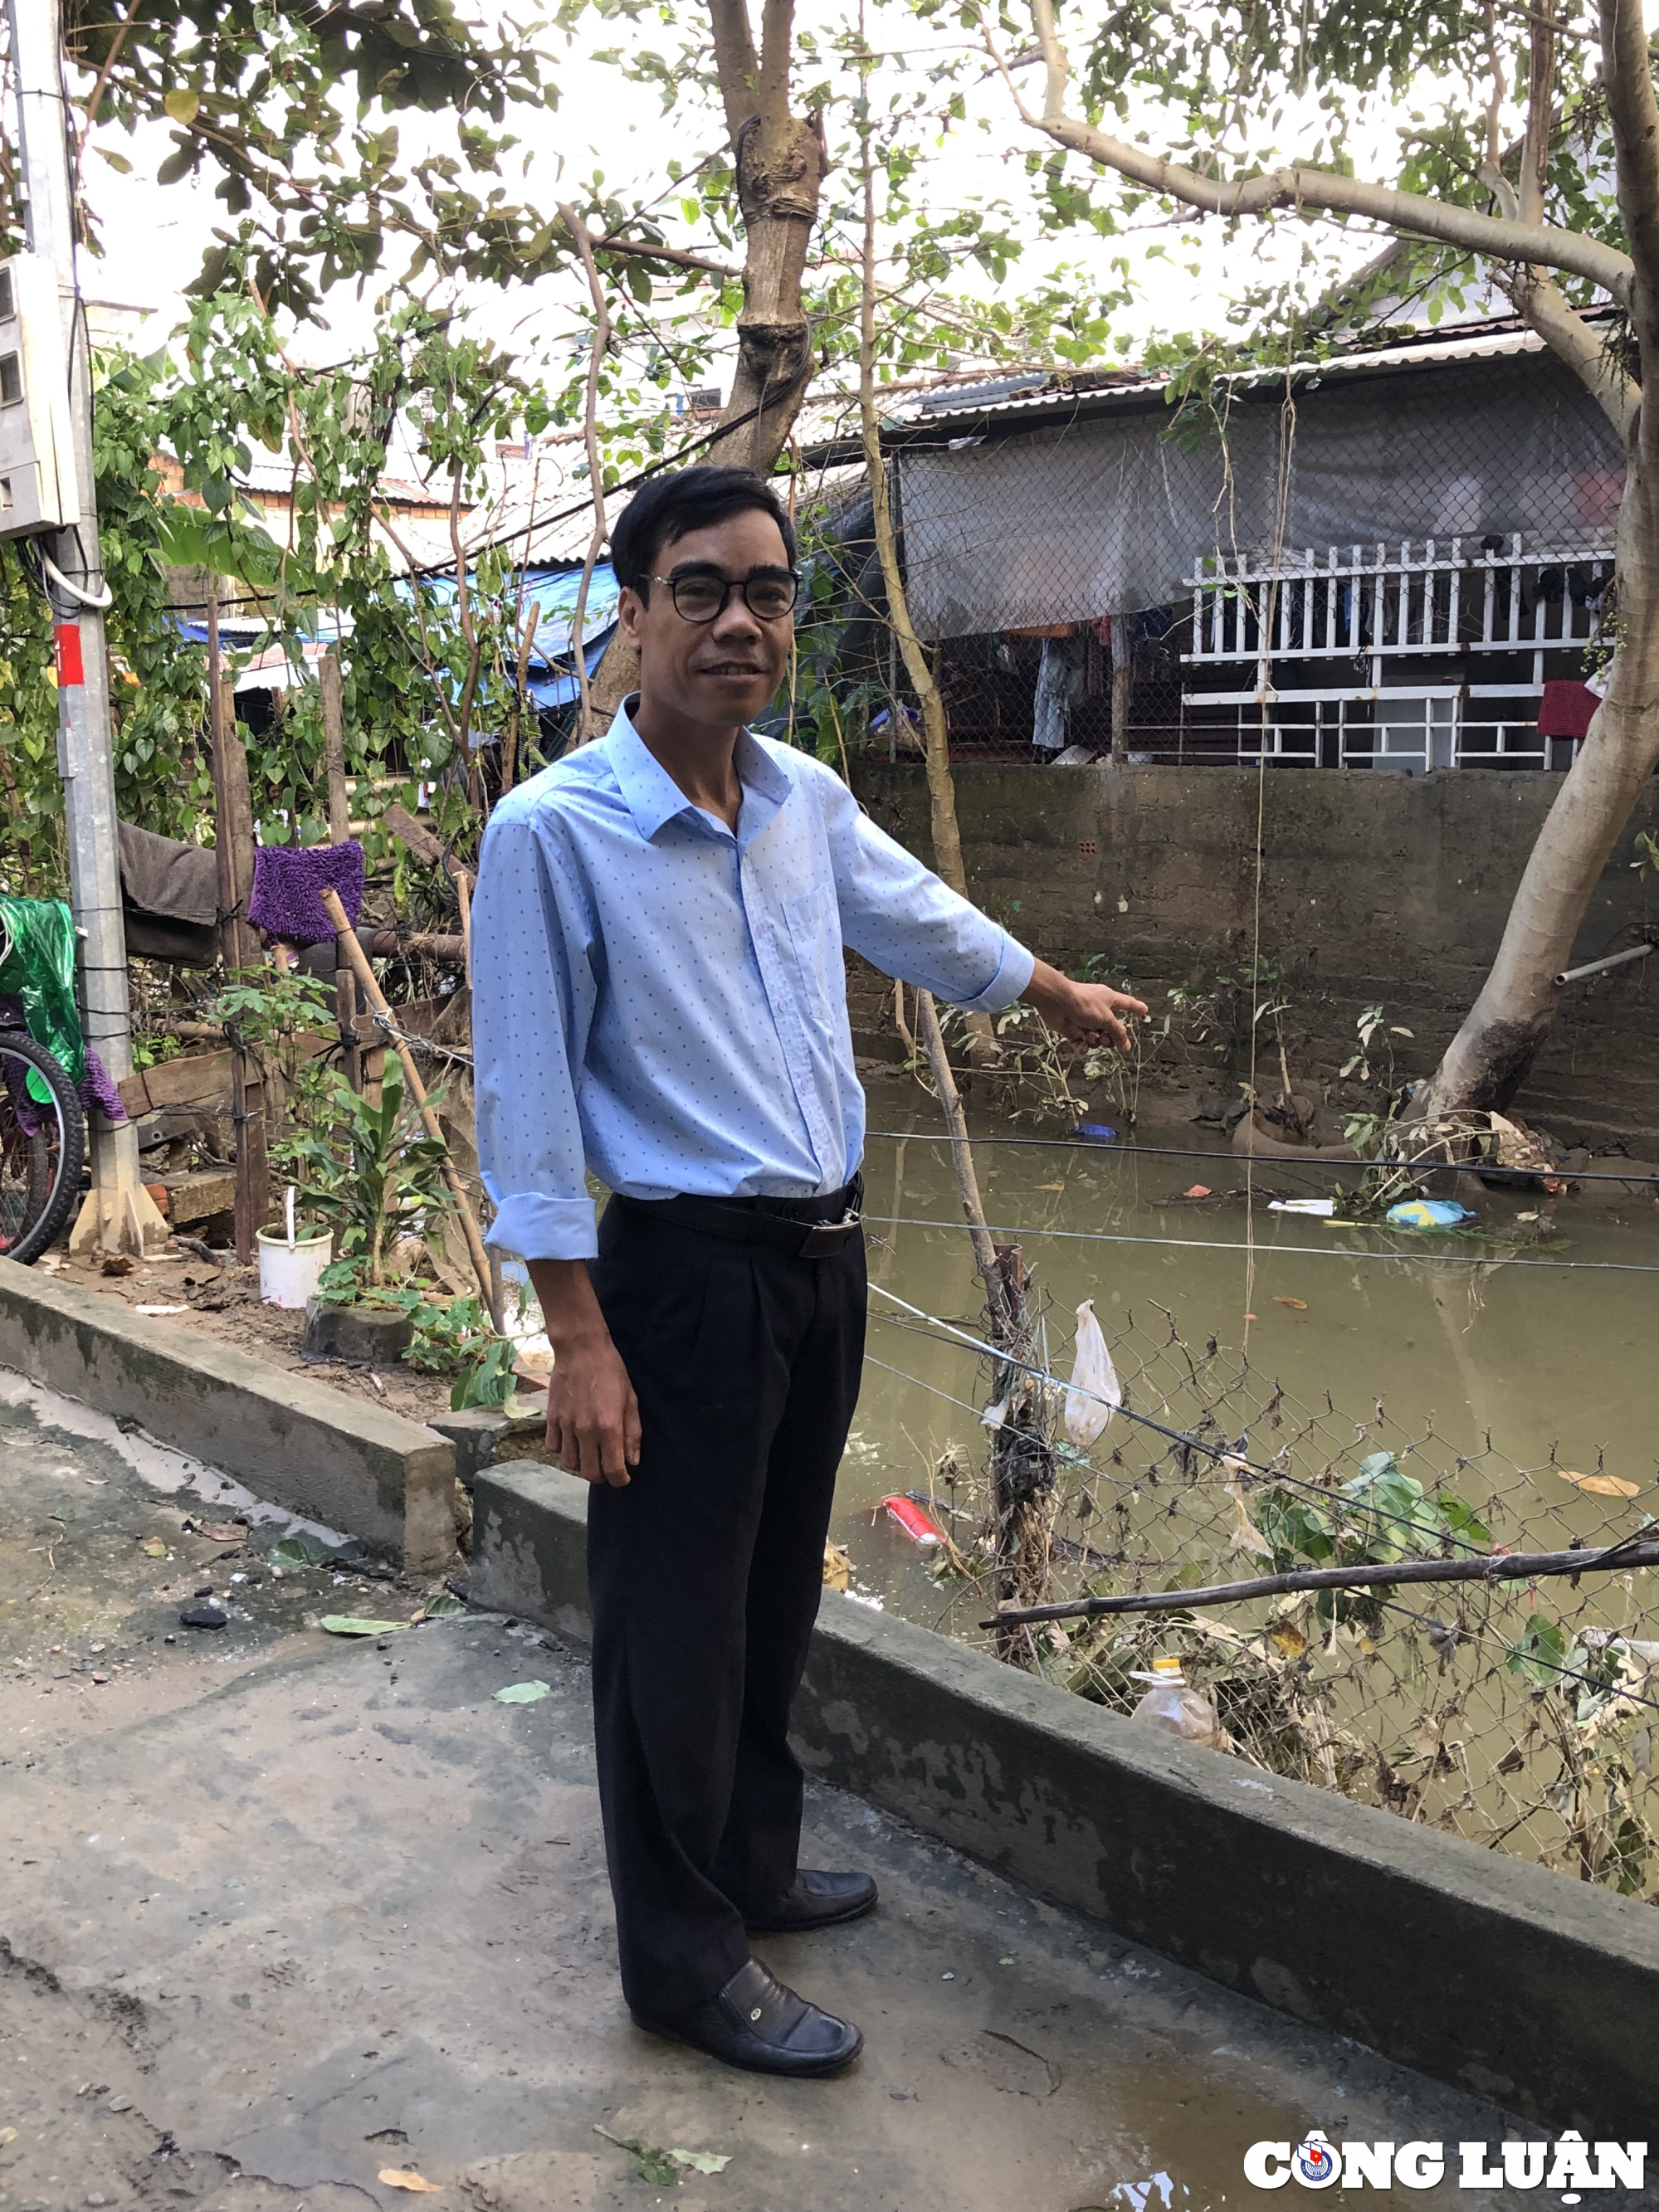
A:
(1373, 887)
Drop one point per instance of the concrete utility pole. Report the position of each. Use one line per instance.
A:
(120, 1215)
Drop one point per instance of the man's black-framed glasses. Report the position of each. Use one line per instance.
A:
(702, 596)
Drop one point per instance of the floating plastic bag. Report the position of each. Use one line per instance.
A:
(1093, 1374)
(1428, 1213)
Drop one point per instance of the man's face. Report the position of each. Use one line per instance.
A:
(723, 672)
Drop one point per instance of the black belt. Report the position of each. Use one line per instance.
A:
(808, 1228)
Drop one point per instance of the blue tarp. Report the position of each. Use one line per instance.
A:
(550, 690)
(553, 591)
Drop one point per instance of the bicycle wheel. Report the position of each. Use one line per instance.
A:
(43, 1142)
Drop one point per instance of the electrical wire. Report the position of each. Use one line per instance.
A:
(1301, 1251)
(97, 601)
(1276, 1160)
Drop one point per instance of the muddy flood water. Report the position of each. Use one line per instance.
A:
(1532, 1334)
(1487, 1389)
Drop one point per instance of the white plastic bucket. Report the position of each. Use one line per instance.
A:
(290, 1265)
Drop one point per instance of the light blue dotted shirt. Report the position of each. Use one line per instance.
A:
(666, 1003)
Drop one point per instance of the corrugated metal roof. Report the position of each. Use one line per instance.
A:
(1132, 390)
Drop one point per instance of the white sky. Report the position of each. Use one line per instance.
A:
(154, 236)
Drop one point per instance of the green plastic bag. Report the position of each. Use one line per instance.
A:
(37, 965)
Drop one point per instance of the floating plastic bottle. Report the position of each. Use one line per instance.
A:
(1169, 1704)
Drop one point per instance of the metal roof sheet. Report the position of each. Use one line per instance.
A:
(1135, 388)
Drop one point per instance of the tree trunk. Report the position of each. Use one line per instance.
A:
(1491, 1055)
(941, 786)
(781, 162)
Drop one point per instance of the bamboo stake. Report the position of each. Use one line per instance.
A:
(596, 353)
(229, 897)
(464, 897)
(1490, 1567)
(328, 684)
(375, 998)
(962, 1159)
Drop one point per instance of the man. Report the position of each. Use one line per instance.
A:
(659, 997)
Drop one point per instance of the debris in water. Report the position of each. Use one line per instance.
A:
(913, 1519)
(1095, 1390)
(1600, 1486)
(1428, 1213)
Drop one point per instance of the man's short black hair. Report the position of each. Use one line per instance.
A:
(672, 505)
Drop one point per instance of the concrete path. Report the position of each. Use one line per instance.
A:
(279, 1912)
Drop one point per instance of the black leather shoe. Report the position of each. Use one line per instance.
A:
(815, 1900)
(757, 2024)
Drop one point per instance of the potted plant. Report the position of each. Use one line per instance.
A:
(370, 1172)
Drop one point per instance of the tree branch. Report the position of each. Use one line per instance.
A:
(777, 38)
(1488, 1567)
(1492, 236)
(1634, 114)
(601, 339)
(1491, 169)
(1540, 120)
(1539, 300)
(641, 252)
(736, 63)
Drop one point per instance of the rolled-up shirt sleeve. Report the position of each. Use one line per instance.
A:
(907, 922)
(533, 993)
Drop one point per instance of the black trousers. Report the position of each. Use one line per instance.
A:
(705, 1575)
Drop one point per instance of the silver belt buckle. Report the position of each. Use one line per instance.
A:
(831, 1235)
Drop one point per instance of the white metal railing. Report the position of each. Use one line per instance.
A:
(1450, 595)
(1437, 726)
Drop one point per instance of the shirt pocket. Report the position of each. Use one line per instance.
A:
(813, 920)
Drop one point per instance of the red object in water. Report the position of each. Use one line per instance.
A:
(1198, 1190)
(913, 1519)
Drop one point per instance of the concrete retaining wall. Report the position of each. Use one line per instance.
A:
(1374, 888)
(1539, 1993)
(297, 1442)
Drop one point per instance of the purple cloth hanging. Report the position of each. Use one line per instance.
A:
(288, 880)
(98, 1090)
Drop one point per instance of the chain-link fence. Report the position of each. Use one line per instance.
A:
(1376, 561)
(1518, 1714)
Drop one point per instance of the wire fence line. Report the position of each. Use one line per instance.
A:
(1442, 1258)
(1519, 1714)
